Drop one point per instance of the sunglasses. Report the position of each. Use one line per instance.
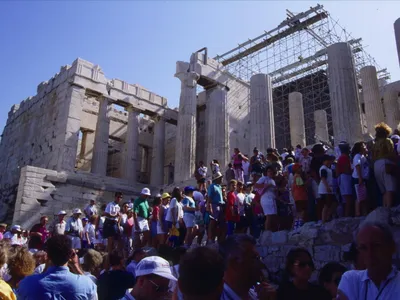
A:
(159, 289)
(303, 264)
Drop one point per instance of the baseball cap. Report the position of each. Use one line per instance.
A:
(189, 189)
(61, 212)
(77, 211)
(16, 227)
(146, 192)
(154, 265)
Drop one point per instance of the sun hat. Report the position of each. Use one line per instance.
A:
(165, 195)
(189, 189)
(77, 211)
(62, 212)
(146, 192)
(154, 265)
(3, 225)
(216, 175)
(16, 227)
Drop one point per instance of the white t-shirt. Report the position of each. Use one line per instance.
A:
(91, 230)
(198, 197)
(245, 166)
(322, 188)
(202, 171)
(178, 212)
(270, 193)
(113, 209)
(240, 202)
(90, 210)
(360, 160)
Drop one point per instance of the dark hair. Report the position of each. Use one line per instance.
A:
(157, 201)
(114, 259)
(230, 165)
(176, 193)
(327, 271)
(201, 272)
(233, 246)
(177, 254)
(298, 146)
(293, 255)
(356, 148)
(59, 249)
(117, 194)
(215, 161)
(344, 148)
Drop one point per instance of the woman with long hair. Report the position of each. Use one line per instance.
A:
(162, 227)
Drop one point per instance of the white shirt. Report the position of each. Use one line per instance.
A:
(356, 285)
(322, 188)
(74, 225)
(202, 171)
(245, 166)
(271, 191)
(284, 154)
(113, 209)
(360, 160)
(128, 295)
(15, 240)
(198, 197)
(90, 210)
(240, 201)
(91, 231)
(178, 212)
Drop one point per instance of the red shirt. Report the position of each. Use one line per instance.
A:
(231, 202)
(343, 163)
(154, 214)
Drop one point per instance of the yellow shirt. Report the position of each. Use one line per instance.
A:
(383, 148)
(6, 292)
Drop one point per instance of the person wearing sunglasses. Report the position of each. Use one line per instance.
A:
(153, 275)
(299, 268)
(330, 276)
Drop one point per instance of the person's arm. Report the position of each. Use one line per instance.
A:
(324, 176)
(34, 231)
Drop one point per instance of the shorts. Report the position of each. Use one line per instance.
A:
(76, 242)
(201, 181)
(269, 206)
(153, 228)
(110, 229)
(216, 211)
(160, 228)
(345, 185)
(143, 225)
(385, 181)
(188, 218)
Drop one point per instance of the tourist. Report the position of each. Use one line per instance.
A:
(380, 280)
(20, 264)
(152, 281)
(162, 226)
(134, 259)
(74, 228)
(305, 160)
(3, 228)
(58, 225)
(229, 173)
(318, 152)
(57, 280)
(189, 208)
(215, 168)
(232, 210)
(199, 216)
(113, 284)
(325, 189)
(300, 195)
(202, 174)
(15, 236)
(284, 153)
(201, 274)
(246, 167)
(141, 212)
(91, 209)
(343, 174)
(6, 292)
(266, 188)
(297, 152)
(256, 165)
(110, 228)
(237, 159)
(216, 209)
(39, 233)
(154, 220)
(384, 163)
(330, 276)
(89, 232)
(360, 176)
(243, 270)
(242, 225)
(174, 216)
(296, 285)
(92, 262)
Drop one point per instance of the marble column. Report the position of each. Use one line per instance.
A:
(343, 90)
(100, 146)
(372, 98)
(158, 152)
(217, 126)
(185, 149)
(262, 129)
(296, 119)
(392, 111)
(397, 36)
(321, 126)
(129, 169)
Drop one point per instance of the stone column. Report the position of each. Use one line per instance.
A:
(262, 129)
(100, 146)
(185, 149)
(217, 126)
(129, 169)
(157, 157)
(392, 111)
(397, 35)
(343, 90)
(296, 119)
(372, 98)
(321, 126)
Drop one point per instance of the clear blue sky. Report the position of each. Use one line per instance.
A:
(140, 42)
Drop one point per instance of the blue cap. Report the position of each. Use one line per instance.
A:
(189, 189)
(85, 219)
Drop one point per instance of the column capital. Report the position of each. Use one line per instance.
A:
(188, 78)
(131, 108)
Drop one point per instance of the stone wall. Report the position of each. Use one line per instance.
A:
(45, 192)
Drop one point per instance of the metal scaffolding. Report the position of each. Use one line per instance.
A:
(295, 55)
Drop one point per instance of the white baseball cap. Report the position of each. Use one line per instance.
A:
(146, 192)
(16, 227)
(77, 211)
(154, 265)
(61, 212)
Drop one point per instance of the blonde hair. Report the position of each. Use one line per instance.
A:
(21, 262)
(382, 130)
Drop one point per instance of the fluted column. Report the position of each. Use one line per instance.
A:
(392, 111)
(296, 119)
(397, 35)
(372, 98)
(185, 149)
(262, 129)
(321, 126)
(217, 126)
(100, 146)
(130, 164)
(343, 90)
(157, 158)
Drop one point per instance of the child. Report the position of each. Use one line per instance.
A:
(300, 195)
(325, 188)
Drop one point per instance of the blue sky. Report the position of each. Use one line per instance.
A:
(140, 42)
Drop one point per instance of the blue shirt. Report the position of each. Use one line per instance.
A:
(57, 283)
(188, 202)
(215, 194)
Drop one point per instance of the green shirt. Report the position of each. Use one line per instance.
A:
(141, 207)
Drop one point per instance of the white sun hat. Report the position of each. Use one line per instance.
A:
(77, 211)
(146, 192)
(154, 265)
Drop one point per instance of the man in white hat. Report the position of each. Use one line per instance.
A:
(58, 225)
(14, 235)
(141, 212)
(74, 228)
(215, 205)
(153, 275)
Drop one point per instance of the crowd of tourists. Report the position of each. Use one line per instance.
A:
(199, 242)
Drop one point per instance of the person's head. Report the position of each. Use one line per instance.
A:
(299, 264)
(236, 151)
(201, 163)
(318, 150)
(92, 261)
(153, 275)
(382, 130)
(157, 201)
(305, 152)
(138, 254)
(59, 249)
(353, 256)
(376, 246)
(201, 273)
(44, 220)
(327, 160)
(125, 207)
(255, 151)
(115, 260)
(165, 198)
(242, 261)
(118, 197)
(176, 193)
(329, 277)
(298, 146)
(189, 191)
(40, 257)
(76, 213)
(61, 215)
(270, 151)
(359, 148)
(289, 160)
(3, 227)
(249, 187)
(16, 229)
(215, 161)
(344, 148)
(230, 166)
(232, 185)
(85, 221)
(284, 150)
(92, 202)
(217, 178)
(270, 172)
(239, 187)
(20, 263)
(297, 168)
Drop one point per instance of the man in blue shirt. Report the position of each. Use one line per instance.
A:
(215, 205)
(57, 282)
